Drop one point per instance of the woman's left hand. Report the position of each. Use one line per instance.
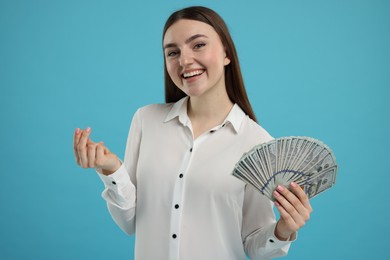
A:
(294, 208)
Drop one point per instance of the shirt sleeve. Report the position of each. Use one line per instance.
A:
(120, 186)
(258, 228)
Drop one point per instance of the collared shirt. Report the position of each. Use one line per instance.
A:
(178, 194)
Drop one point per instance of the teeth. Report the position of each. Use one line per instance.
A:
(192, 73)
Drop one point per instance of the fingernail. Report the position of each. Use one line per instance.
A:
(293, 184)
(77, 131)
(280, 188)
(277, 203)
(276, 194)
(88, 130)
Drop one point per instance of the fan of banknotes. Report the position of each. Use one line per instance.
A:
(305, 160)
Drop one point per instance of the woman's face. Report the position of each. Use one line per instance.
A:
(195, 57)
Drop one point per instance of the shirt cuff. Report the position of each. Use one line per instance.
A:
(116, 179)
(119, 190)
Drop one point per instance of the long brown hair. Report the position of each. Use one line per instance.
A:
(234, 83)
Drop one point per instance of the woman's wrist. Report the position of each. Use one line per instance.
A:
(113, 169)
(280, 235)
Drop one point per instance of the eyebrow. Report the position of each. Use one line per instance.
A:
(193, 37)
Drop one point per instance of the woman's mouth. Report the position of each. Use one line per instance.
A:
(192, 74)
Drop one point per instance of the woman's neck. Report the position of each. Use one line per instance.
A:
(208, 111)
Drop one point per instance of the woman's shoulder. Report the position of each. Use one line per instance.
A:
(154, 111)
(255, 130)
(156, 107)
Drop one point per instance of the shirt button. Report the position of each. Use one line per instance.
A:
(181, 175)
(176, 206)
(212, 131)
(223, 125)
(113, 182)
(174, 236)
(191, 150)
(271, 240)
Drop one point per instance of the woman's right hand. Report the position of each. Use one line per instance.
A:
(93, 155)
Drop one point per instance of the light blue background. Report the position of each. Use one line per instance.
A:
(315, 68)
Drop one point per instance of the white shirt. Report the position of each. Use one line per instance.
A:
(178, 194)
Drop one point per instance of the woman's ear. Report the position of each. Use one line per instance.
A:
(226, 61)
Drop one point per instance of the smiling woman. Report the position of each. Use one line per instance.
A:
(195, 59)
(174, 189)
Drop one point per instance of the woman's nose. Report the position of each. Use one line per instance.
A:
(186, 58)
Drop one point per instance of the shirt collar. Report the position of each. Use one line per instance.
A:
(179, 109)
(235, 117)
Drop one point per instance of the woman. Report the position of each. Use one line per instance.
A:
(175, 187)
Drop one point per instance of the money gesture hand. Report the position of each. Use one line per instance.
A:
(89, 154)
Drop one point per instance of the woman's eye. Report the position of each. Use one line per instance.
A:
(199, 45)
(171, 53)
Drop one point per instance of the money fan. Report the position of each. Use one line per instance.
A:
(304, 160)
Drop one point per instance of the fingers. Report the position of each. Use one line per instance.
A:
(76, 139)
(82, 147)
(295, 200)
(100, 154)
(288, 206)
(288, 221)
(298, 191)
(91, 153)
(294, 206)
